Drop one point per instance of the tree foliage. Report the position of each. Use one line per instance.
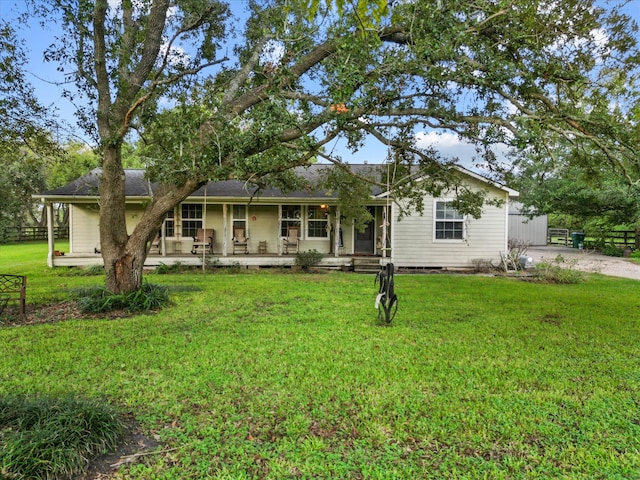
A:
(25, 142)
(253, 95)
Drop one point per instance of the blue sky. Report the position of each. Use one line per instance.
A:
(44, 77)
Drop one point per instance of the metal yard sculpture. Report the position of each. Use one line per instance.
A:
(387, 300)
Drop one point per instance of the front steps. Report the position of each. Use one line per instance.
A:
(366, 264)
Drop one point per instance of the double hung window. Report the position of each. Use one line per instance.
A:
(239, 216)
(169, 225)
(191, 219)
(289, 217)
(449, 224)
(317, 221)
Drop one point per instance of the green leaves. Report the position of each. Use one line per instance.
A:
(368, 12)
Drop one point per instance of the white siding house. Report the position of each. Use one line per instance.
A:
(439, 238)
(433, 240)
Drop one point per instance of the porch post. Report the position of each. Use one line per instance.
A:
(278, 237)
(163, 236)
(50, 234)
(506, 223)
(224, 229)
(336, 236)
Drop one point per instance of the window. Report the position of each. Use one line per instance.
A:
(239, 217)
(449, 223)
(169, 225)
(290, 218)
(317, 221)
(191, 219)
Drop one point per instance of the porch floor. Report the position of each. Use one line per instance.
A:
(245, 260)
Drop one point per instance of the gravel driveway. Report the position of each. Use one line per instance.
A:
(588, 261)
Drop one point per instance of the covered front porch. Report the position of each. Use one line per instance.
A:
(319, 227)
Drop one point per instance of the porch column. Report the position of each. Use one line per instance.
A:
(224, 230)
(163, 237)
(506, 222)
(50, 235)
(336, 237)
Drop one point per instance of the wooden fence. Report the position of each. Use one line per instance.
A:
(558, 236)
(619, 238)
(24, 234)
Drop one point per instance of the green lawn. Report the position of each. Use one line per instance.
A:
(277, 375)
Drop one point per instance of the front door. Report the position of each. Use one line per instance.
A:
(365, 240)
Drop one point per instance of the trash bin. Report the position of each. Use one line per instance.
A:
(578, 239)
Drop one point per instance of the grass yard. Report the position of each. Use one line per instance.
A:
(275, 375)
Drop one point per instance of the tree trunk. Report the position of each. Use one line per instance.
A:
(124, 274)
(123, 254)
(122, 262)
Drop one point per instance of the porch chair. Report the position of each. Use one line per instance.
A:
(203, 240)
(240, 240)
(291, 243)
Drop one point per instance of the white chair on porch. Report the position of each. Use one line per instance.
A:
(291, 243)
(240, 240)
(203, 240)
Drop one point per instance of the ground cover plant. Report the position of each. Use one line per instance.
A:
(280, 375)
(42, 438)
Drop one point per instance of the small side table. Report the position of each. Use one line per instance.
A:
(262, 246)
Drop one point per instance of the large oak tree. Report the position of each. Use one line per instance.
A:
(251, 97)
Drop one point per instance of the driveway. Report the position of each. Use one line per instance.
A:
(588, 261)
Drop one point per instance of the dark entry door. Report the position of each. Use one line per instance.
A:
(365, 241)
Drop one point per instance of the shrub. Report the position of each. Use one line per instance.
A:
(88, 271)
(612, 250)
(164, 269)
(310, 258)
(94, 270)
(558, 270)
(99, 300)
(212, 263)
(483, 265)
(46, 438)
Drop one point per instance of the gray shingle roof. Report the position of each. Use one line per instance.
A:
(137, 185)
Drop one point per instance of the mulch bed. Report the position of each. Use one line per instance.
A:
(131, 449)
(52, 313)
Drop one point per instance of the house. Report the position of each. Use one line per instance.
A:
(439, 238)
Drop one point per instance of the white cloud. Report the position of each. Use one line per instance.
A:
(440, 140)
(272, 52)
(450, 146)
(177, 56)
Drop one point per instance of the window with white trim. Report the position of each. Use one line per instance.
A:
(449, 224)
(317, 221)
(239, 217)
(191, 219)
(169, 225)
(290, 217)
